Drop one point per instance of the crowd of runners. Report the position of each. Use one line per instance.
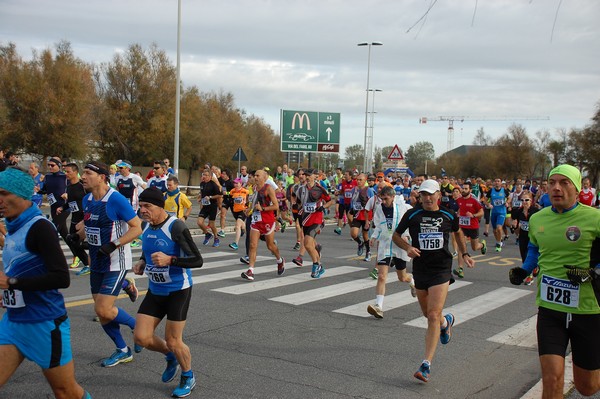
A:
(101, 211)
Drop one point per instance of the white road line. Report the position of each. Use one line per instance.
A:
(477, 306)
(522, 334)
(284, 281)
(392, 301)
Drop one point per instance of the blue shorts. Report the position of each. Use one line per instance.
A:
(497, 219)
(46, 343)
(108, 283)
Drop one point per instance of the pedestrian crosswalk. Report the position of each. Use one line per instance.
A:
(224, 267)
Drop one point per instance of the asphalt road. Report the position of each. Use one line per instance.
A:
(297, 337)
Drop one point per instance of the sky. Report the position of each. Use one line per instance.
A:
(517, 61)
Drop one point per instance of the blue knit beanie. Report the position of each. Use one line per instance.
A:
(18, 182)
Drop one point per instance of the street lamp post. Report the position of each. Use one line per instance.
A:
(177, 92)
(369, 142)
(366, 154)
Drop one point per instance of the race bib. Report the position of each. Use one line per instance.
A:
(431, 241)
(357, 206)
(238, 200)
(517, 204)
(310, 207)
(560, 292)
(51, 199)
(256, 217)
(348, 194)
(205, 201)
(73, 206)
(92, 235)
(13, 299)
(498, 202)
(390, 223)
(464, 221)
(157, 274)
(445, 199)
(524, 225)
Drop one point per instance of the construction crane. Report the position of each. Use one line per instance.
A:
(452, 119)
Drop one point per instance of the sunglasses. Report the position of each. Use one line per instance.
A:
(157, 167)
(51, 165)
(527, 200)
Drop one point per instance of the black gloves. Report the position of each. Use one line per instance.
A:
(107, 249)
(516, 275)
(579, 276)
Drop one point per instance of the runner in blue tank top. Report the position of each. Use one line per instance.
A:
(35, 325)
(497, 197)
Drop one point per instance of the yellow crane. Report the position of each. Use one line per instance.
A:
(452, 119)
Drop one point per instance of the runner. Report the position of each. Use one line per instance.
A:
(361, 220)
(345, 197)
(387, 213)
(497, 197)
(55, 185)
(429, 227)
(35, 325)
(520, 220)
(470, 212)
(239, 196)
(226, 183)
(177, 204)
(210, 192)
(169, 252)
(562, 239)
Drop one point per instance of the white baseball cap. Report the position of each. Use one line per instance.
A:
(430, 186)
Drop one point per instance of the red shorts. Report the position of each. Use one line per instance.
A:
(263, 228)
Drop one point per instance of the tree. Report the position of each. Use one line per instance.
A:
(49, 102)
(518, 151)
(418, 153)
(481, 138)
(354, 157)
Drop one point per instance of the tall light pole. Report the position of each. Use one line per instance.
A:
(177, 92)
(366, 154)
(369, 144)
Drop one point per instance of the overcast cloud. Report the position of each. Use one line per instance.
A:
(481, 59)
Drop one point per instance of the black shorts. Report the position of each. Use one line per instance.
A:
(227, 203)
(424, 281)
(473, 234)
(209, 212)
(344, 208)
(359, 223)
(311, 230)
(239, 215)
(175, 305)
(553, 336)
(398, 263)
(296, 216)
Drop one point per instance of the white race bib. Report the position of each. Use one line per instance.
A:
(560, 292)
(348, 194)
(51, 199)
(157, 274)
(238, 200)
(464, 221)
(524, 225)
(310, 207)
(517, 204)
(256, 217)
(13, 299)
(431, 241)
(205, 201)
(73, 206)
(498, 202)
(92, 235)
(357, 206)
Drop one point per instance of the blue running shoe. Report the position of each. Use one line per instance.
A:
(137, 348)
(315, 268)
(221, 233)
(446, 333)
(423, 372)
(216, 243)
(233, 246)
(170, 371)
(86, 395)
(320, 271)
(207, 238)
(118, 357)
(84, 271)
(361, 249)
(186, 385)
(338, 231)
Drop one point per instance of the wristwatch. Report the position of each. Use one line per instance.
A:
(12, 281)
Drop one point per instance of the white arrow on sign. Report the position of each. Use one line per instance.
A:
(328, 130)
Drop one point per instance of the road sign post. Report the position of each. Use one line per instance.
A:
(309, 131)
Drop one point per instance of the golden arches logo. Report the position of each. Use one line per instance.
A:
(300, 120)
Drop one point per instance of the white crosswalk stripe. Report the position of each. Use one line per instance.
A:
(284, 281)
(521, 334)
(392, 301)
(477, 306)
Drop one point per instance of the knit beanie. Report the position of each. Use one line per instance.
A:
(153, 196)
(18, 182)
(570, 172)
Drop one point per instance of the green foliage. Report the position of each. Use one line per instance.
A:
(417, 154)
(354, 157)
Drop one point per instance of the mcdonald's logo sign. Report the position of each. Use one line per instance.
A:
(301, 119)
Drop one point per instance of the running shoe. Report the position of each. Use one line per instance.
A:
(135, 243)
(368, 257)
(283, 226)
(413, 290)
(484, 248)
(512, 230)
(185, 387)
(137, 348)
(423, 372)
(297, 246)
(505, 238)
(320, 271)
(361, 249)
(75, 263)
(373, 273)
(242, 233)
(171, 370)
(498, 247)
(281, 267)
(485, 234)
(207, 238)
(297, 260)
(233, 246)
(446, 333)
(84, 271)
(131, 290)
(118, 357)
(216, 242)
(338, 231)
(245, 259)
(459, 272)
(221, 233)
(375, 310)
(315, 268)
(248, 275)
